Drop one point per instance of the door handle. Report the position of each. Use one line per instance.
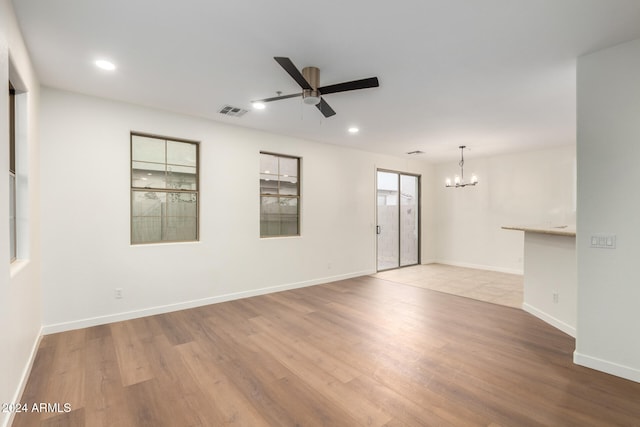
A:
(378, 229)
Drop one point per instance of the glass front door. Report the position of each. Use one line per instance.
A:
(398, 225)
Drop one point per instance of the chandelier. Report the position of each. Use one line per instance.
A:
(458, 180)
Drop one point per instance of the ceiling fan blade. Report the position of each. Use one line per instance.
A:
(352, 85)
(325, 109)
(293, 71)
(277, 98)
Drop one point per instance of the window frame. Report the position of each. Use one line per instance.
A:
(166, 190)
(297, 196)
(13, 206)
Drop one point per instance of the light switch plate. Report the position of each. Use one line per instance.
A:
(603, 241)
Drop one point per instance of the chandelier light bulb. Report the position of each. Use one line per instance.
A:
(456, 179)
(448, 182)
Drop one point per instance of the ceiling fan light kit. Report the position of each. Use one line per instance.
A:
(311, 97)
(458, 180)
(312, 92)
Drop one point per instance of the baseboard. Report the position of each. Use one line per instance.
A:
(17, 397)
(606, 366)
(556, 323)
(481, 267)
(117, 317)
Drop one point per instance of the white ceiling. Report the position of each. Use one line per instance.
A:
(495, 75)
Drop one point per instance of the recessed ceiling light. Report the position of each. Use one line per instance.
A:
(353, 129)
(258, 105)
(105, 65)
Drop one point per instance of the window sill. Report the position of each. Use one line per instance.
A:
(17, 266)
(147, 245)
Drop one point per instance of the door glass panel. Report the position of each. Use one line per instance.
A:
(398, 226)
(408, 220)
(388, 221)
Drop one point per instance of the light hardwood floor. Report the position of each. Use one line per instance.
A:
(357, 352)
(490, 286)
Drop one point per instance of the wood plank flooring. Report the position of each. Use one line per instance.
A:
(359, 352)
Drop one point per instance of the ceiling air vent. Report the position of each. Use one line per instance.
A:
(229, 110)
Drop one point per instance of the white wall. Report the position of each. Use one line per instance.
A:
(85, 193)
(20, 299)
(608, 202)
(550, 279)
(529, 188)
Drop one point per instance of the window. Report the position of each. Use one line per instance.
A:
(12, 175)
(279, 195)
(164, 190)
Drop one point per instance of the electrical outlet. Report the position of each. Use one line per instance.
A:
(118, 293)
(556, 297)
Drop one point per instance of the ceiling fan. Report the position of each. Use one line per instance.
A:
(309, 81)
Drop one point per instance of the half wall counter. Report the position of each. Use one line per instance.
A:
(550, 274)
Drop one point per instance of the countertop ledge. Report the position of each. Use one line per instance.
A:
(558, 230)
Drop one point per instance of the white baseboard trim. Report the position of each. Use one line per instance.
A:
(556, 323)
(606, 366)
(26, 372)
(482, 267)
(117, 317)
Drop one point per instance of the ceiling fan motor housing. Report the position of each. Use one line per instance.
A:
(311, 75)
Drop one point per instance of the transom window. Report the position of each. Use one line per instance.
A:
(164, 189)
(279, 195)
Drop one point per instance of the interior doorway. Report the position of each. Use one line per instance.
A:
(397, 219)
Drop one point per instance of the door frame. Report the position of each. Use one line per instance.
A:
(419, 222)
